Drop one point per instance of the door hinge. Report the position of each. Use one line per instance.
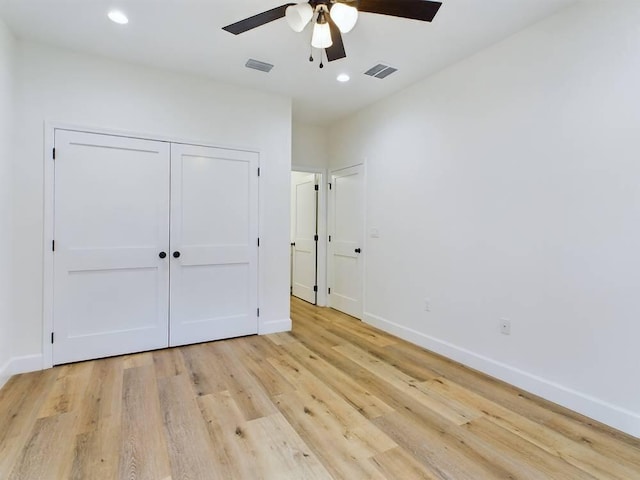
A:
(258, 241)
(317, 188)
(315, 238)
(329, 186)
(52, 335)
(258, 311)
(329, 237)
(329, 291)
(258, 171)
(54, 153)
(315, 288)
(53, 245)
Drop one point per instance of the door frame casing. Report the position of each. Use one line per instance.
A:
(330, 212)
(50, 128)
(321, 299)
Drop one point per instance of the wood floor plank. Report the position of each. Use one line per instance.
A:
(364, 401)
(264, 373)
(169, 362)
(336, 432)
(199, 364)
(329, 407)
(398, 463)
(102, 400)
(225, 425)
(138, 360)
(48, 453)
(333, 398)
(249, 396)
(579, 455)
(99, 425)
(68, 391)
(188, 441)
(312, 333)
(528, 459)
(406, 384)
(439, 450)
(20, 402)
(96, 454)
(570, 424)
(143, 448)
(279, 451)
(346, 327)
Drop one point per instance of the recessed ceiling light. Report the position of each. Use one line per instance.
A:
(118, 17)
(343, 77)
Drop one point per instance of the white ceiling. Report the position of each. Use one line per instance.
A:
(186, 35)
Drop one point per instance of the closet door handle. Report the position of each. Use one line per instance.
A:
(162, 254)
(176, 254)
(357, 250)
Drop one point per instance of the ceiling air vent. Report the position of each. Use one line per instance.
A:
(380, 71)
(258, 65)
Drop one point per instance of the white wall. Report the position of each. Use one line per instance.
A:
(60, 86)
(309, 146)
(507, 186)
(6, 113)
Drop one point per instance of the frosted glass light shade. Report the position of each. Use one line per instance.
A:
(344, 16)
(298, 16)
(321, 37)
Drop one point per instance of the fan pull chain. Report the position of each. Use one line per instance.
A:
(321, 64)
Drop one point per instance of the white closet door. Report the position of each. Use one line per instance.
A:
(346, 230)
(214, 252)
(304, 232)
(111, 223)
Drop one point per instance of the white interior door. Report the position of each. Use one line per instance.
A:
(111, 221)
(346, 232)
(305, 228)
(214, 251)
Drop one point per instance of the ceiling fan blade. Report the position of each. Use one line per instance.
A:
(336, 50)
(423, 10)
(257, 20)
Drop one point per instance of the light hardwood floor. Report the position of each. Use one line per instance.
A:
(332, 399)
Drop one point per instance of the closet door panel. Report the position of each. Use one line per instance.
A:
(111, 221)
(214, 216)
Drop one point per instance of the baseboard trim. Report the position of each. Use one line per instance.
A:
(274, 326)
(607, 413)
(26, 363)
(17, 365)
(5, 373)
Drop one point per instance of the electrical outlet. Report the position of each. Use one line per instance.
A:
(505, 326)
(427, 305)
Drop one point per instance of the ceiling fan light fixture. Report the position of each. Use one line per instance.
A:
(298, 16)
(321, 37)
(344, 16)
(116, 16)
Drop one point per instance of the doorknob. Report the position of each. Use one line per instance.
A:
(162, 254)
(357, 250)
(176, 254)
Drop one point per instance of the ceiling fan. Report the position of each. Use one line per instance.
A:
(332, 18)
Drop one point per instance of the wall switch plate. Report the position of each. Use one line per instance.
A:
(374, 233)
(427, 305)
(505, 326)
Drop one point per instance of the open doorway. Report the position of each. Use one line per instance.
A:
(308, 247)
